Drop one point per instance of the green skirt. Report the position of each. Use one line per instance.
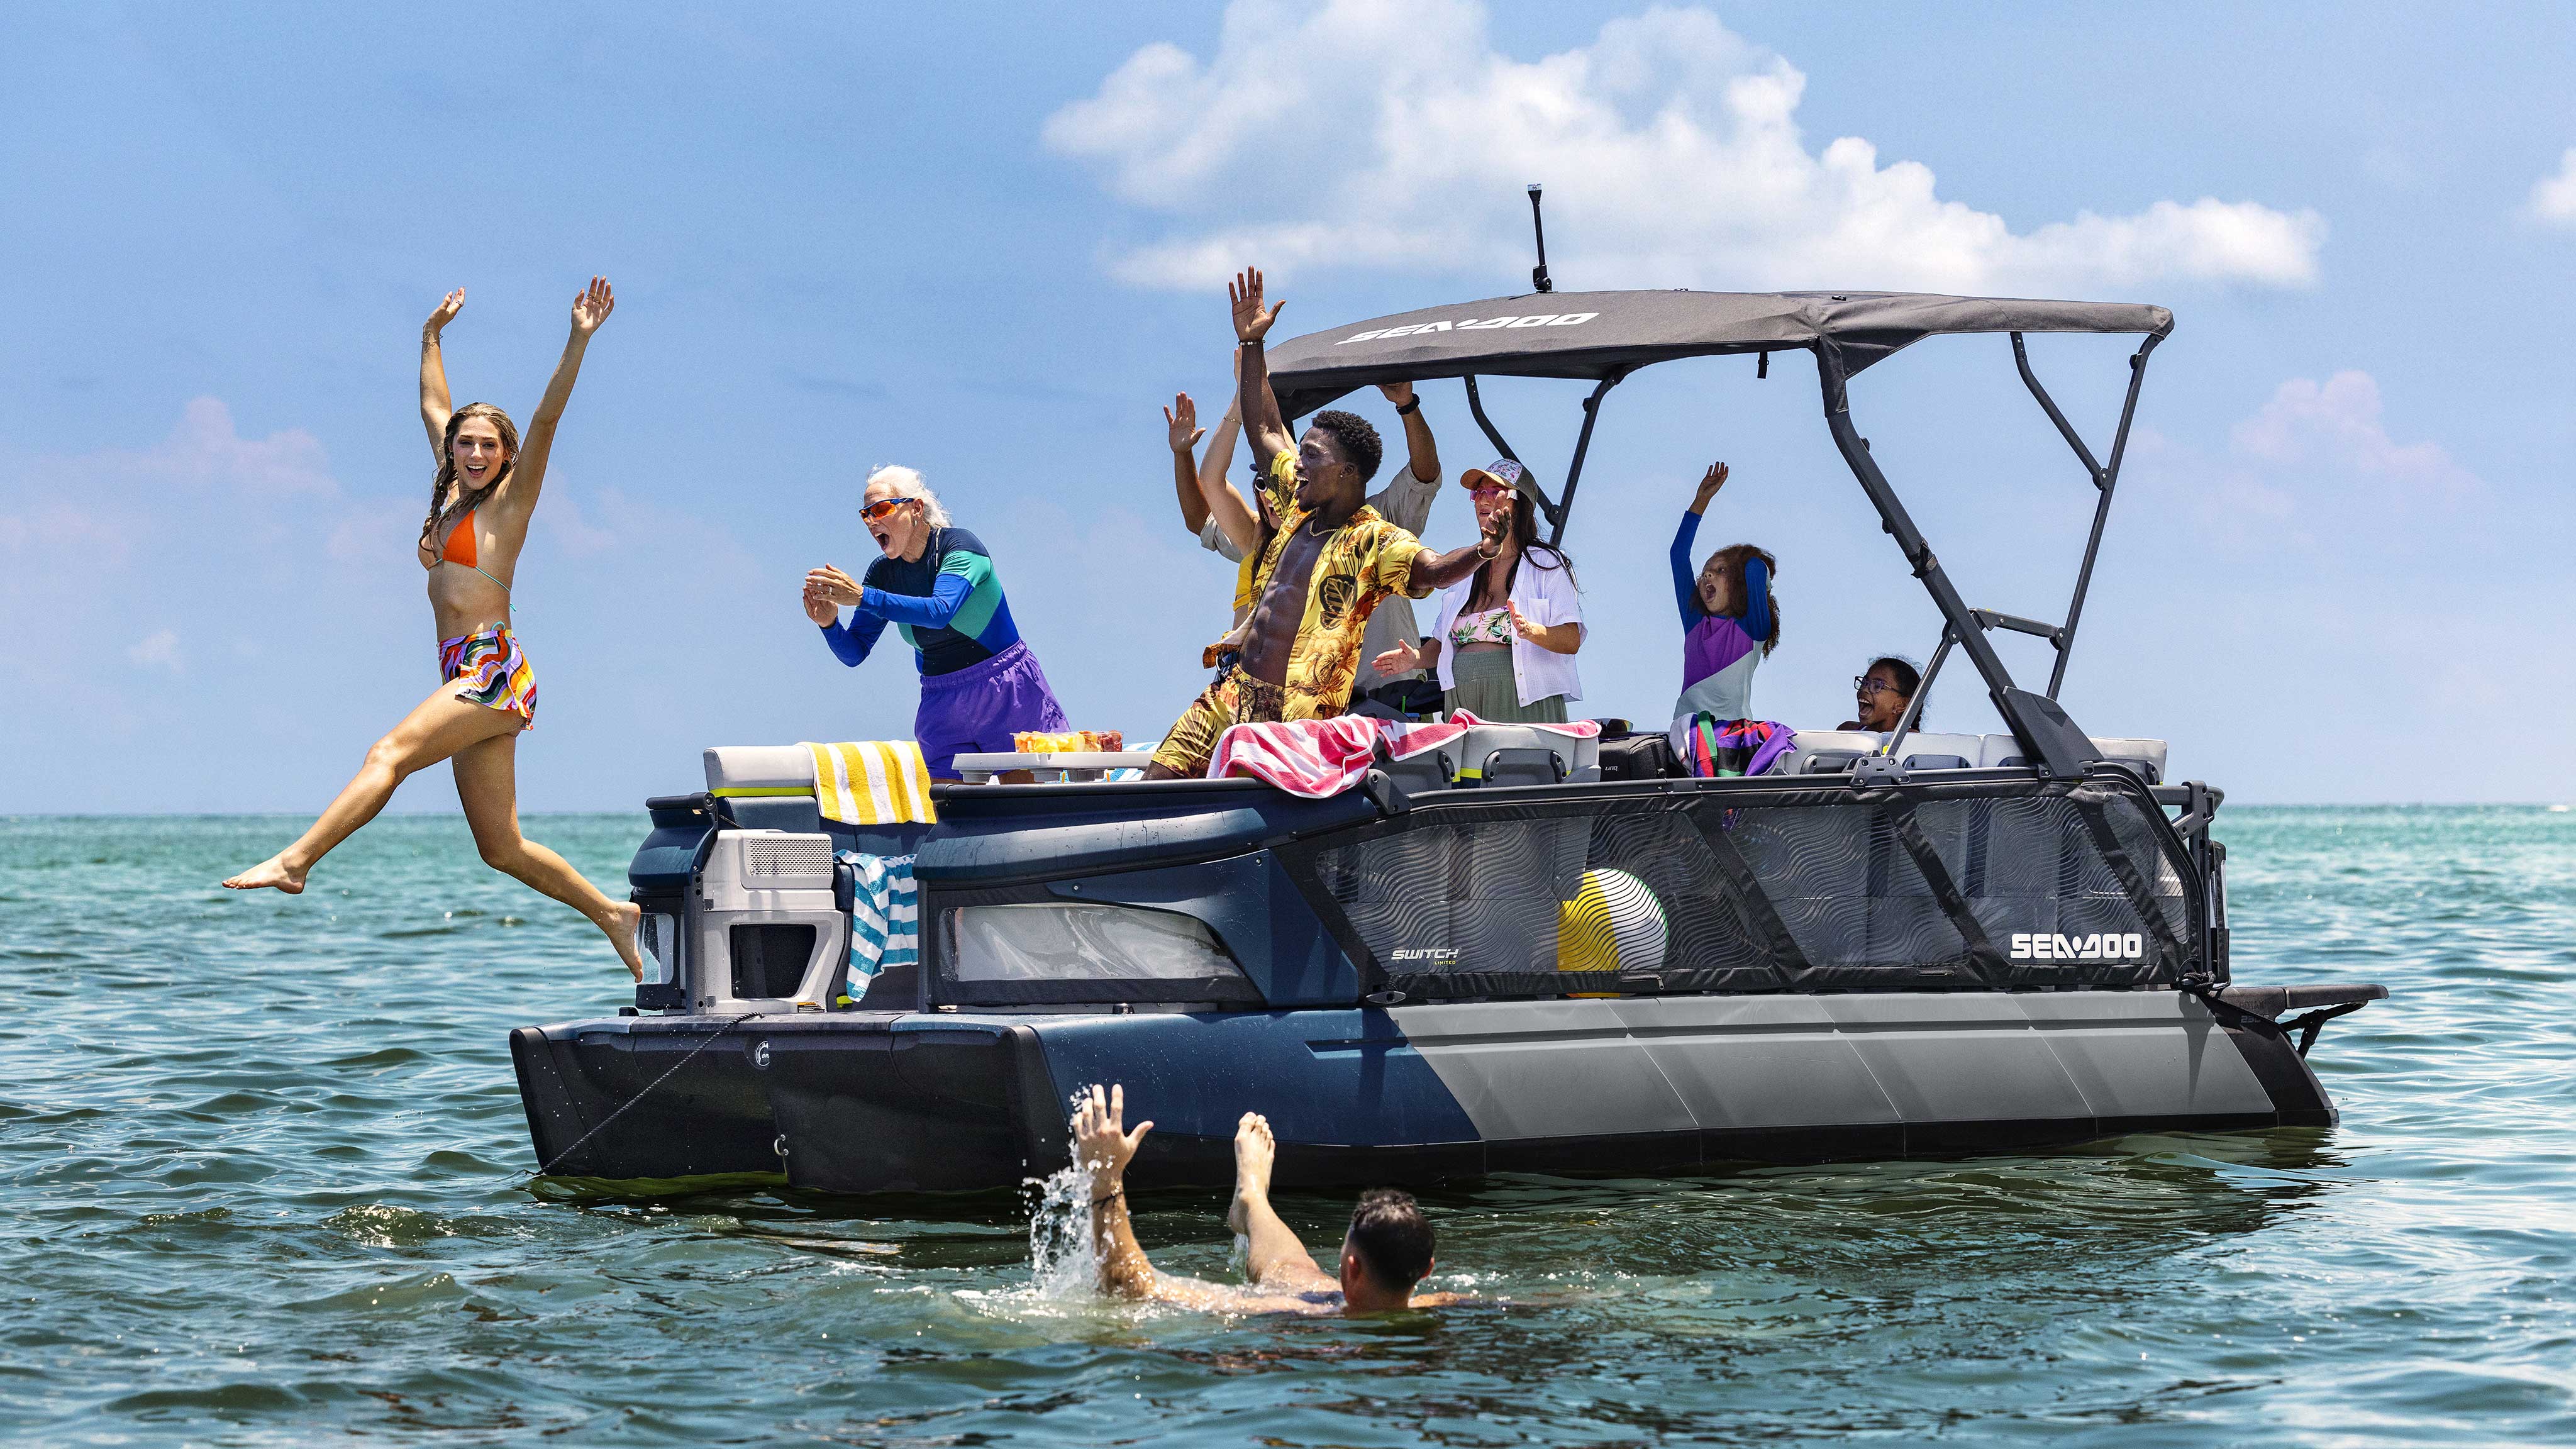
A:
(1487, 690)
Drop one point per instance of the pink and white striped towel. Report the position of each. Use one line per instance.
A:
(1320, 757)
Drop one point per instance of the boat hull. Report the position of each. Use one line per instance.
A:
(1408, 1096)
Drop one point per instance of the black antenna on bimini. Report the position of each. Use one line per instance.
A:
(1538, 274)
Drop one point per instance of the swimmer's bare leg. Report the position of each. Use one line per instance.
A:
(1271, 1251)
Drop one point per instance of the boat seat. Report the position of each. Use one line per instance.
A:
(771, 787)
(1826, 752)
(1578, 756)
(1940, 752)
(1522, 767)
(1420, 773)
(2147, 757)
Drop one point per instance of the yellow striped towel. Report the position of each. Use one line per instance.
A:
(873, 782)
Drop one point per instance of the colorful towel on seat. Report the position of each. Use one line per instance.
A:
(875, 782)
(1319, 757)
(885, 918)
(1714, 748)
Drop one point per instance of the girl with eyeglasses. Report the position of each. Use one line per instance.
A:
(1884, 689)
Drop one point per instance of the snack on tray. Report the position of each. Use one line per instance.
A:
(1069, 742)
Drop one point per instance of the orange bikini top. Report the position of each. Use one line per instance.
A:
(461, 548)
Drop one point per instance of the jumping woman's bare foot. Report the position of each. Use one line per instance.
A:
(624, 918)
(270, 874)
(1254, 1151)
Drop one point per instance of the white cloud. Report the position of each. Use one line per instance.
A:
(2553, 198)
(1361, 134)
(2337, 425)
(159, 648)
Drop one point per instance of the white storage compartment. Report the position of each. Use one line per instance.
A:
(764, 930)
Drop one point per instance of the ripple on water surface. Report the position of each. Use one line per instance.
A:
(264, 1174)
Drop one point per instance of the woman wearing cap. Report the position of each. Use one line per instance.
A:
(1505, 644)
(1730, 622)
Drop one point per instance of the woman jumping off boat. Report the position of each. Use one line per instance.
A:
(478, 520)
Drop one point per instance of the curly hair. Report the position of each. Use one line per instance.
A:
(1732, 559)
(447, 469)
(1354, 439)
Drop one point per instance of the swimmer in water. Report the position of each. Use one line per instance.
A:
(1384, 1255)
(469, 545)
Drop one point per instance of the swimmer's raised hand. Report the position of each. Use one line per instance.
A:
(1101, 1144)
(1252, 317)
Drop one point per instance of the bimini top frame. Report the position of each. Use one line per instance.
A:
(1602, 337)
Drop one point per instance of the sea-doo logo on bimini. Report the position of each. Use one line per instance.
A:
(1473, 324)
(2108, 946)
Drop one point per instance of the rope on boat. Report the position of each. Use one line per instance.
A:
(547, 1168)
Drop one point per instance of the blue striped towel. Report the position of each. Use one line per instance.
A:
(885, 917)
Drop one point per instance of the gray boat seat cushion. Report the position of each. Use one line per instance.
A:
(2147, 757)
(733, 769)
(1826, 752)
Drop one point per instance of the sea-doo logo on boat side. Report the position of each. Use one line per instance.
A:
(2108, 946)
(1473, 324)
(1429, 955)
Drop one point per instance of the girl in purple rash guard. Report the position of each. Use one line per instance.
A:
(1729, 621)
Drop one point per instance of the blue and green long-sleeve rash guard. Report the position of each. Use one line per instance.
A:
(948, 604)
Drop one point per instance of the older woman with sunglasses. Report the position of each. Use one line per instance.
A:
(979, 684)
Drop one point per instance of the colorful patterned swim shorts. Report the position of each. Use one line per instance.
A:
(494, 671)
(1236, 698)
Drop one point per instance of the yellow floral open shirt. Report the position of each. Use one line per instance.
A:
(1361, 563)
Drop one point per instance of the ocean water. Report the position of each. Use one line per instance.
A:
(264, 1179)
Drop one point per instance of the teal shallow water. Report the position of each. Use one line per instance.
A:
(264, 1179)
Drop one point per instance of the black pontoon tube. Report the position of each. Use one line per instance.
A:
(2105, 479)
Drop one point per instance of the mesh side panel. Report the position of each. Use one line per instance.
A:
(795, 855)
(2060, 886)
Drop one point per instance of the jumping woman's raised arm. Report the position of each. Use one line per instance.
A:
(519, 490)
(434, 404)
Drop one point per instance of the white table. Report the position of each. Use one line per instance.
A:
(1052, 768)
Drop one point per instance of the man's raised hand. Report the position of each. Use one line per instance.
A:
(1251, 318)
(1398, 393)
(1182, 417)
(590, 308)
(445, 312)
(1101, 1144)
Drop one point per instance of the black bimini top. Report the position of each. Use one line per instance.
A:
(1595, 335)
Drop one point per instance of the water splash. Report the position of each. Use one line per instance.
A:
(1063, 1264)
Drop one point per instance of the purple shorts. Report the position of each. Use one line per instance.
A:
(976, 710)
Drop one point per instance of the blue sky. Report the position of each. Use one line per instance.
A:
(980, 240)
